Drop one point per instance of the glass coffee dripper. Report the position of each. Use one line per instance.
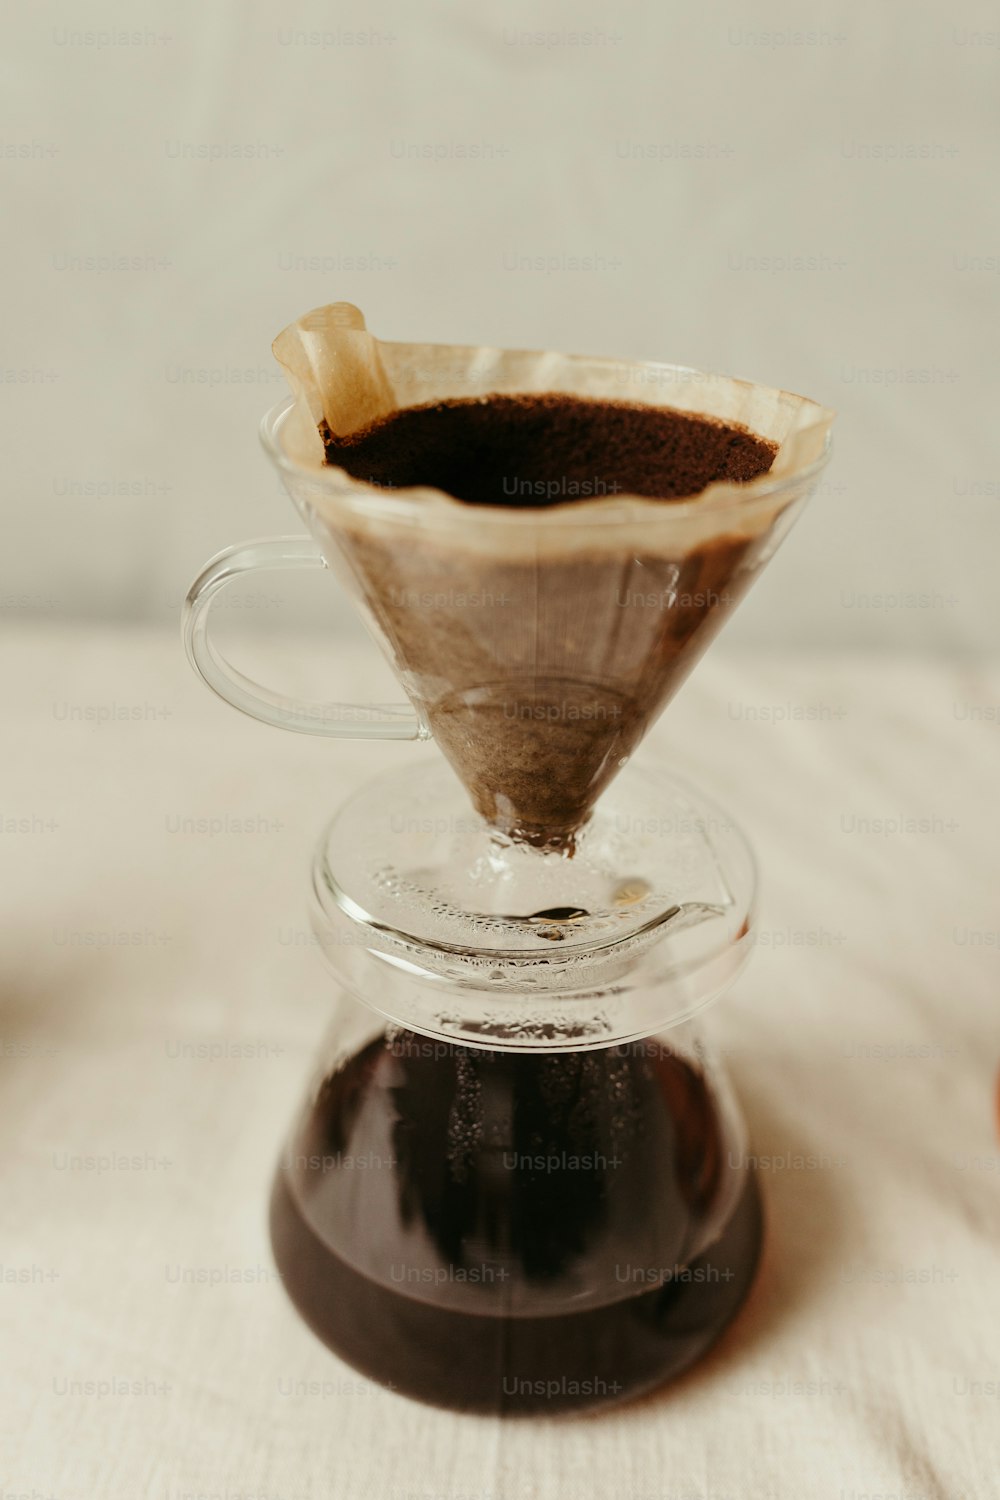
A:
(519, 1181)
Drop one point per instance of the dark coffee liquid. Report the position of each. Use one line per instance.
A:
(504, 1232)
(547, 449)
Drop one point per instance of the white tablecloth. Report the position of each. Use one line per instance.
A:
(147, 1346)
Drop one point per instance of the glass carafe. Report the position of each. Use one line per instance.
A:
(519, 1181)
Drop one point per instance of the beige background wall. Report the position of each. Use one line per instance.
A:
(806, 197)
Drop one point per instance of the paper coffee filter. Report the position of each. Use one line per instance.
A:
(537, 644)
(334, 368)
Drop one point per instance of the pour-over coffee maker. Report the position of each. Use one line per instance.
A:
(519, 1181)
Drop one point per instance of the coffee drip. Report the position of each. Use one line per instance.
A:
(519, 1182)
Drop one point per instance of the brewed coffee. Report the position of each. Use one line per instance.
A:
(501, 1231)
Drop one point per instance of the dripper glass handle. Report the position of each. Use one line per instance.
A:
(354, 721)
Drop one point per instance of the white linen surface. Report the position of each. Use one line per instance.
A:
(863, 1042)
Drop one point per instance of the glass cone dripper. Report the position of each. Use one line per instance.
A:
(539, 678)
(538, 645)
